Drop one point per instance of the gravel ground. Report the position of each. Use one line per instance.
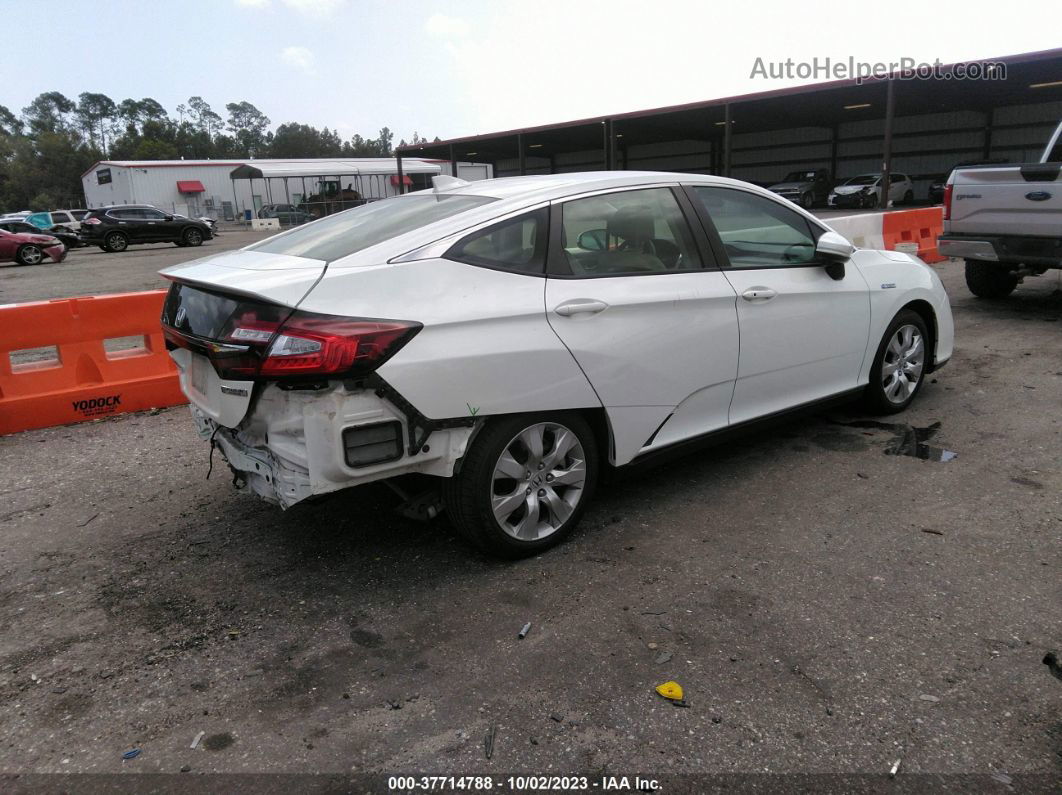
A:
(829, 609)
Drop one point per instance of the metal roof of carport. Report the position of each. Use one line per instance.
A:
(267, 169)
(813, 105)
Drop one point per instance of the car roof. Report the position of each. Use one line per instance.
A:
(544, 187)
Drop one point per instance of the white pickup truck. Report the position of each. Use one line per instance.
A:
(1005, 221)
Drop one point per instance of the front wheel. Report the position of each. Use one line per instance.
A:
(192, 237)
(524, 483)
(988, 280)
(807, 201)
(29, 254)
(900, 365)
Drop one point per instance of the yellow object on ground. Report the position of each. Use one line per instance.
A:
(672, 691)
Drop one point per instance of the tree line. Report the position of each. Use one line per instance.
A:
(45, 149)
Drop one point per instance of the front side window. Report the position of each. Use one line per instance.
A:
(517, 244)
(758, 232)
(354, 230)
(636, 231)
(152, 215)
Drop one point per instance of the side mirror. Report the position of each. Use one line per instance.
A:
(834, 251)
(592, 240)
(169, 217)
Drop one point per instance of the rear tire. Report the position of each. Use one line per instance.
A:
(900, 365)
(512, 500)
(115, 242)
(988, 280)
(29, 254)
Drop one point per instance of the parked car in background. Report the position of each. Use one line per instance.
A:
(936, 187)
(865, 191)
(513, 337)
(64, 220)
(30, 249)
(118, 227)
(807, 188)
(1005, 221)
(18, 226)
(287, 214)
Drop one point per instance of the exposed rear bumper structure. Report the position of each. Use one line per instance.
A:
(297, 443)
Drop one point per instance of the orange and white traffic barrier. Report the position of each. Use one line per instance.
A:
(83, 381)
(889, 231)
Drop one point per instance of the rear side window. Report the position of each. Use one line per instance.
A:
(354, 230)
(517, 244)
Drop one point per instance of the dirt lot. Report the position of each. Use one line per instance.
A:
(90, 271)
(828, 608)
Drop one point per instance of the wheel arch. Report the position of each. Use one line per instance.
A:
(925, 310)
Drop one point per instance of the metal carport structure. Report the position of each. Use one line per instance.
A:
(917, 126)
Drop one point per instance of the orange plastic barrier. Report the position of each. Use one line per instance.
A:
(915, 226)
(85, 382)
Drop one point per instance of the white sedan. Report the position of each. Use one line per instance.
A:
(513, 337)
(865, 191)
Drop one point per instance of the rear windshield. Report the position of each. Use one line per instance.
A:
(353, 230)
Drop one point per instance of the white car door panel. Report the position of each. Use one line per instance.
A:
(656, 343)
(803, 334)
(804, 343)
(660, 341)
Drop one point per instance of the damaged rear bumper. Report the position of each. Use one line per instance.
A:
(294, 444)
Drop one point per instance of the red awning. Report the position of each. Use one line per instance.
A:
(405, 179)
(190, 186)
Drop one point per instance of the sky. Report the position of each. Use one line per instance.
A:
(465, 67)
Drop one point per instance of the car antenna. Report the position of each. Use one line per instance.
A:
(441, 182)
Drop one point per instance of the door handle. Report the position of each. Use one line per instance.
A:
(580, 306)
(759, 294)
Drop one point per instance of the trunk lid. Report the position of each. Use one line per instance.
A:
(206, 300)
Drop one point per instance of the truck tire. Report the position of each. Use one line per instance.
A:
(989, 280)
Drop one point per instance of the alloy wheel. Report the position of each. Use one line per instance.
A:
(193, 237)
(901, 369)
(116, 242)
(538, 481)
(32, 255)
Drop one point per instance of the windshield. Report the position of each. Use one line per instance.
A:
(865, 179)
(353, 230)
(799, 176)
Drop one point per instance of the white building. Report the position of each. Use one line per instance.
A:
(226, 188)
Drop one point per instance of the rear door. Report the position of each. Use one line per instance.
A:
(803, 334)
(634, 294)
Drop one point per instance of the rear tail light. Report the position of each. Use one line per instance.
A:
(309, 344)
(246, 339)
(947, 202)
(92, 221)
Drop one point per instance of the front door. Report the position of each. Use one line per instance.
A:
(651, 323)
(803, 334)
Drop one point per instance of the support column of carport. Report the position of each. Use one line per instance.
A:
(401, 182)
(728, 122)
(453, 161)
(886, 148)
